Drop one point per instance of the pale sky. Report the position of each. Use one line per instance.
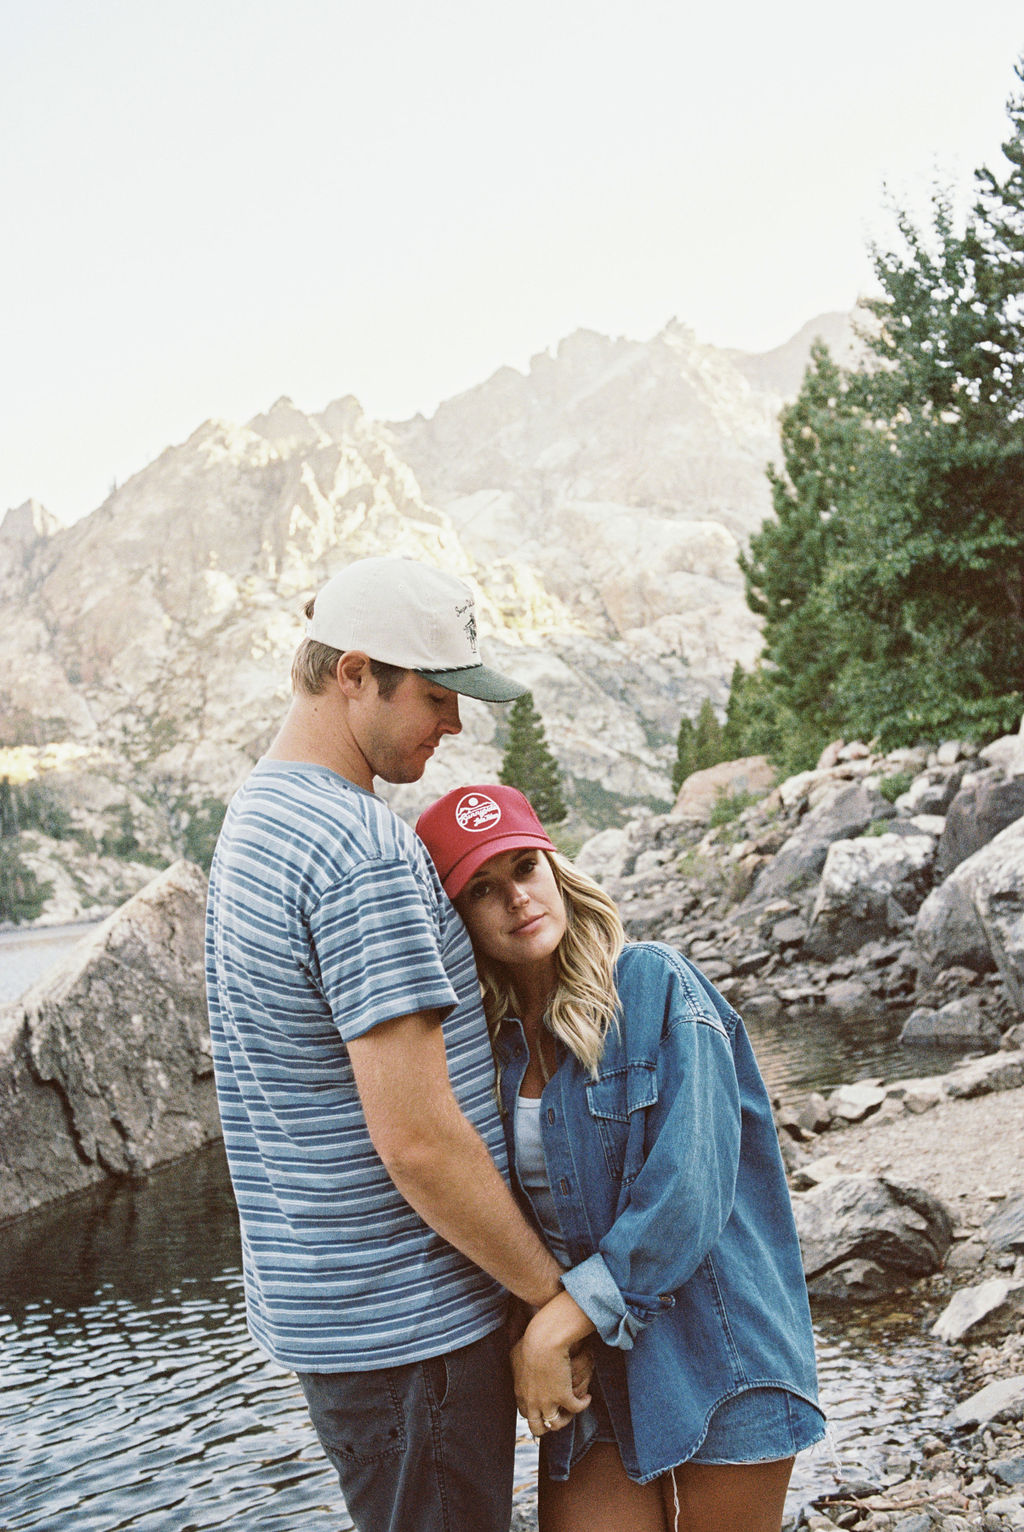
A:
(210, 203)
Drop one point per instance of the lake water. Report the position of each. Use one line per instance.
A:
(133, 1398)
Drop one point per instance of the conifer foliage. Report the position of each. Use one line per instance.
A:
(891, 581)
(528, 763)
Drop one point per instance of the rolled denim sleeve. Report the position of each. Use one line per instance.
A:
(676, 1207)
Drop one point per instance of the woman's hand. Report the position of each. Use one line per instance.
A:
(551, 1368)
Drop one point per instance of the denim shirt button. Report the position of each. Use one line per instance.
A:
(666, 1300)
(564, 1187)
(551, 1114)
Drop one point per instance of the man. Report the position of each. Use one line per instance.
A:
(354, 1071)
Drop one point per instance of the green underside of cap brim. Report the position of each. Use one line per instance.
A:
(477, 681)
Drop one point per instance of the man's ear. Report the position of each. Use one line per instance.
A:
(353, 672)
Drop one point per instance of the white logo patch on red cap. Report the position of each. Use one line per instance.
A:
(475, 811)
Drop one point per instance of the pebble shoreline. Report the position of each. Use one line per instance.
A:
(969, 1153)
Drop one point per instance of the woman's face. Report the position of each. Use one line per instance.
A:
(513, 909)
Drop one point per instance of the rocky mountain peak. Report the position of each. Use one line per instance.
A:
(597, 501)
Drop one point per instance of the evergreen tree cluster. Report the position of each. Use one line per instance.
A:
(891, 579)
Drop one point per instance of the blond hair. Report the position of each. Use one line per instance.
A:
(315, 664)
(585, 1005)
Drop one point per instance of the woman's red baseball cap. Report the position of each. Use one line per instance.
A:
(469, 825)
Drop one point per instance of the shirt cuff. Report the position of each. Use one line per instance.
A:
(591, 1285)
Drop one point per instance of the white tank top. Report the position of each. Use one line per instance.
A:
(533, 1173)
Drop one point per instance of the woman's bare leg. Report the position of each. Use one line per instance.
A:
(726, 1497)
(598, 1497)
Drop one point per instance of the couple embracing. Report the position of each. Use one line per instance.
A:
(485, 1152)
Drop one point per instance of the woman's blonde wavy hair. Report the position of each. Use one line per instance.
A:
(585, 1005)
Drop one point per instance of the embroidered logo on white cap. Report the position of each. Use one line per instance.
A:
(475, 811)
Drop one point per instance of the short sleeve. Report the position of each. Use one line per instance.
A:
(377, 939)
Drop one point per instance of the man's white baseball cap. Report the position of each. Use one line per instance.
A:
(406, 613)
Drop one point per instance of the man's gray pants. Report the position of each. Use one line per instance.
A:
(424, 1447)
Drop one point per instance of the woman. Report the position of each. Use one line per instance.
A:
(642, 1141)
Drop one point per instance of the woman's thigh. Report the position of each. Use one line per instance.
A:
(598, 1497)
(726, 1497)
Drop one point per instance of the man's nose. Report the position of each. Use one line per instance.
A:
(451, 723)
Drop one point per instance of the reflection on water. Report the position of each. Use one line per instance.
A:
(801, 1052)
(133, 1397)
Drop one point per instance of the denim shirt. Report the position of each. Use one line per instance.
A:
(669, 1186)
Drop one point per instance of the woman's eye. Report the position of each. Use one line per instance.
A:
(478, 891)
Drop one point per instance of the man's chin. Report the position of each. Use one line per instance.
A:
(406, 772)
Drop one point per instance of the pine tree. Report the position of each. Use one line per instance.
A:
(529, 765)
(684, 763)
(891, 582)
(707, 738)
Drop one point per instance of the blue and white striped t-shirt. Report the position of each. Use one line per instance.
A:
(325, 918)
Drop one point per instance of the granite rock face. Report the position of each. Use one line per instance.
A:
(845, 811)
(597, 502)
(869, 888)
(976, 916)
(105, 1066)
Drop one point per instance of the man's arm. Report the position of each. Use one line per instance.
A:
(437, 1159)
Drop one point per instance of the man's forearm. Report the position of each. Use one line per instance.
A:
(450, 1179)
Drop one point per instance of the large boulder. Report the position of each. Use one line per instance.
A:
(976, 917)
(845, 812)
(105, 1066)
(864, 1236)
(987, 802)
(868, 889)
(997, 888)
(701, 790)
(947, 931)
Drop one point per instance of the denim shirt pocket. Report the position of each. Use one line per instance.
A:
(616, 1101)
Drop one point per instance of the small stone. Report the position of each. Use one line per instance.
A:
(990, 1401)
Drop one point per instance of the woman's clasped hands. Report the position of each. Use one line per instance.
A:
(552, 1366)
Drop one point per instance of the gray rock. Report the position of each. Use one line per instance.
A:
(1005, 1230)
(979, 1077)
(962, 1024)
(762, 1007)
(996, 882)
(868, 888)
(986, 803)
(947, 931)
(845, 812)
(855, 1102)
(990, 1401)
(1007, 1470)
(852, 1000)
(105, 1066)
(862, 1236)
(814, 1113)
(971, 1305)
(933, 791)
(1007, 753)
(789, 932)
(917, 1522)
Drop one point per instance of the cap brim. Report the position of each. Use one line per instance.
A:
(476, 856)
(477, 681)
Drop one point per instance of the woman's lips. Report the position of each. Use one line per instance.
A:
(528, 925)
